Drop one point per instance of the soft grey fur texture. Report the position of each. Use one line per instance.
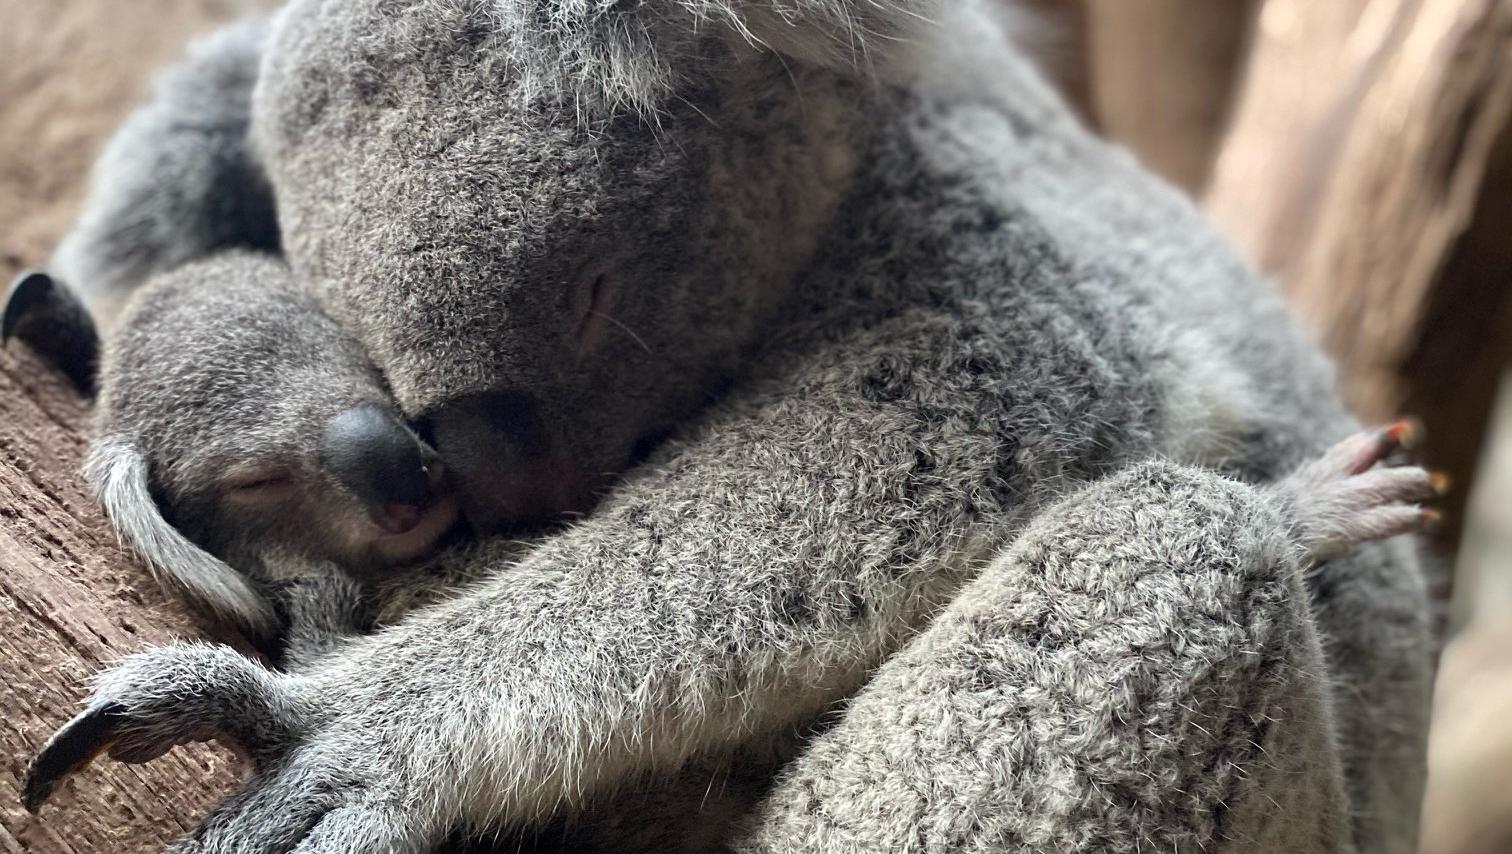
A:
(1089, 691)
(220, 382)
(964, 513)
(178, 180)
(216, 389)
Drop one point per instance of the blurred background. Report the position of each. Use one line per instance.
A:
(1360, 151)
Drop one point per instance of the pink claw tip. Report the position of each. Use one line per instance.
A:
(1441, 482)
(1406, 432)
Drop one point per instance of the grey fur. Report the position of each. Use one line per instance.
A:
(977, 308)
(1138, 669)
(909, 499)
(178, 180)
(118, 474)
(177, 184)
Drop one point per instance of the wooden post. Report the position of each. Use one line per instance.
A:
(1163, 77)
(1370, 169)
(71, 600)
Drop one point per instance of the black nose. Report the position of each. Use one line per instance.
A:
(373, 454)
(505, 463)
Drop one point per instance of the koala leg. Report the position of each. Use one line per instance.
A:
(179, 179)
(1348, 497)
(1138, 672)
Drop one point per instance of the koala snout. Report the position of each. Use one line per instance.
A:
(506, 465)
(381, 461)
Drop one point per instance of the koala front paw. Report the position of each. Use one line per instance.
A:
(1354, 493)
(320, 613)
(326, 779)
(155, 700)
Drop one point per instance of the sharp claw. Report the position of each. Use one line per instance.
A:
(89, 734)
(1440, 482)
(29, 290)
(1405, 433)
(46, 314)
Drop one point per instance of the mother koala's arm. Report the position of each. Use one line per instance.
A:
(744, 581)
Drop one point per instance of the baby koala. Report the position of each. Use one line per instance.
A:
(239, 426)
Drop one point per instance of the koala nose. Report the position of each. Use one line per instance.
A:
(373, 454)
(508, 470)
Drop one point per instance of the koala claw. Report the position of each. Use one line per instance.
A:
(1355, 494)
(43, 312)
(321, 785)
(89, 734)
(155, 700)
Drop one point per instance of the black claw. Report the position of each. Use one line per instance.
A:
(28, 290)
(80, 740)
(44, 313)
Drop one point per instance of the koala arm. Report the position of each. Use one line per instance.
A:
(1181, 584)
(743, 583)
(1139, 670)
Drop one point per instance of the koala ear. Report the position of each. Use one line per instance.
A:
(46, 314)
(635, 53)
(117, 472)
(858, 35)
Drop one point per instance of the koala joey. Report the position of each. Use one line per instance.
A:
(177, 181)
(235, 420)
(238, 426)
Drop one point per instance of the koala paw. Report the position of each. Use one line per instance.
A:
(324, 782)
(155, 700)
(1354, 493)
(320, 613)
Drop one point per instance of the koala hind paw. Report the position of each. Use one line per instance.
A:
(1358, 492)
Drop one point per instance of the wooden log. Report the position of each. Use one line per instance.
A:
(71, 600)
(1370, 169)
(1059, 32)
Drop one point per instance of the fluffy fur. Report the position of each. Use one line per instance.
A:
(216, 388)
(178, 180)
(909, 496)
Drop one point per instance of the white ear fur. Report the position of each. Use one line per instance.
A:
(634, 54)
(117, 471)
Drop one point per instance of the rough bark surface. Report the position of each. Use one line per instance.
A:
(1370, 168)
(71, 599)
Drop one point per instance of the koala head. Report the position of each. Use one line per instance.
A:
(237, 421)
(558, 227)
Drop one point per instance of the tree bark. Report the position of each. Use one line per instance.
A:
(1370, 169)
(71, 600)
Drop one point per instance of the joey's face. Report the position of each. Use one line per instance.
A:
(547, 290)
(263, 426)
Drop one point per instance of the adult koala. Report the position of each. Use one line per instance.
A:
(980, 371)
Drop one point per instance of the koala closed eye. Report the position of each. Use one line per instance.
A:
(258, 485)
